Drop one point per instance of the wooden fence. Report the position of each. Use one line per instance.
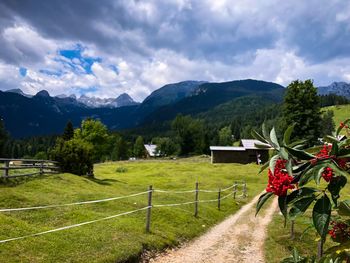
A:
(233, 189)
(28, 166)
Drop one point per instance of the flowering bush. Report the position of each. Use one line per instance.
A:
(290, 172)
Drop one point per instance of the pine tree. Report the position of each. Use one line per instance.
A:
(139, 148)
(68, 131)
(302, 107)
(3, 137)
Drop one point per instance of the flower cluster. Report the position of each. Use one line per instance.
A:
(340, 231)
(327, 174)
(279, 181)
(342, 125)
(324, 152)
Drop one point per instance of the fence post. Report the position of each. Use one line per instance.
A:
(6, 171)
(196, 201)
(41, 168)
(245, 189)
(219, 198)
(149, 209)
(234, 190)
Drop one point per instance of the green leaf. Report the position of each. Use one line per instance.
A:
(331, 139)
(297, 143)
(318, 175)
(299, 207)
(287, 134)
(307, 177)
(274, 139)
(321, 215)
(300, 193)
(284, 153)
(289, 167)
(338, 170)
(300, 154)
(282, 203)
(262, 199)
(301, 167)
(265, 132)
(334, 187)
(335, 148)
(259, 137)
(344, 208)
(262, 146)
(272, 163)
(265, 165)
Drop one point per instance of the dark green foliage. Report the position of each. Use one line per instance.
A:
(74, 156)
(68, 131)
(333, 99)
(28, 147)
(225, 136)
(3, 137)
(302, 107)
(120, 148)
(95, 133)
(139, 148)
(327, 123)
(189, 134)
(166, 146)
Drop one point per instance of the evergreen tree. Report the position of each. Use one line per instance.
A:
(3, 137)
(327, 123)
(225, 136)
(68, 131)
(139, 148)
(190, 134)
(302, 107)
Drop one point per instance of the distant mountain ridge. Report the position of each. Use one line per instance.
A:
(337, 88)
(44, 115)
(93, 102)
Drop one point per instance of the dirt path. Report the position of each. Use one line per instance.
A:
(239, 238)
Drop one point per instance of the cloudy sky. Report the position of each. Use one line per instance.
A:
(105, 48)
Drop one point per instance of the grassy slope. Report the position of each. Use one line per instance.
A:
(121, 238)
(278, 244)
(341, 113)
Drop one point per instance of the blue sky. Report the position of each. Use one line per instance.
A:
(107, 48)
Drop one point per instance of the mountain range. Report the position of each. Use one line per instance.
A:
(43, 114)
(92, 102)
(337, 88)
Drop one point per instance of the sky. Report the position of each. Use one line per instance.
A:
(105, 48)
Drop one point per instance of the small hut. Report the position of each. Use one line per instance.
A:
(247, 152)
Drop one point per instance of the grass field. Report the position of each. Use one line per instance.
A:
(341, 113)
(123, 238)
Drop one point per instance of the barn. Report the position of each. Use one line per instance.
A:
(245, 153)
(151, 150)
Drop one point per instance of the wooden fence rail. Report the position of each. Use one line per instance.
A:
(34, 167)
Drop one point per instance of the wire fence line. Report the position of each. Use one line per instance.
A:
(72, 226)
(113, 198)
(149, 207)
(71, 204)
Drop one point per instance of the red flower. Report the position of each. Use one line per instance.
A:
(324, 153)
(340, 231)
(280, 181)
(327, 174)
(342, 125)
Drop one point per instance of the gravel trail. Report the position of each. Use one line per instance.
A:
(239, 238)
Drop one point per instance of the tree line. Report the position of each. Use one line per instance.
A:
(186, 135)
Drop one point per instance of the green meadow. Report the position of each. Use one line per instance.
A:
(123, 238)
